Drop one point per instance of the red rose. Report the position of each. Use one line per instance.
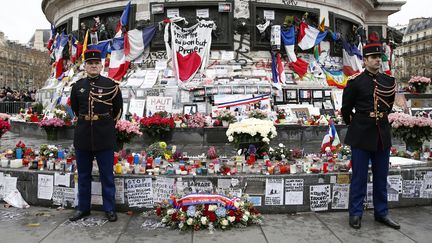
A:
(158, 211)
(238, 218)
(231, 213)
(184, 208)
(174, 216)
(212, 217)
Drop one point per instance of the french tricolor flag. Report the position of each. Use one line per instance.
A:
(331, 139)
(299, 65)
(351, 58)
(118, 65)
(277, 69)
(60, 46)
(76, 49)
(138, 41)
(309, 36)
(124, 19)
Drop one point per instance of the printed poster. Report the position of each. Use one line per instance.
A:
(294, 191)
(340, 196)
(411, 188)
(45, 186)
(394, 187)
(274, 191)
(139, 192)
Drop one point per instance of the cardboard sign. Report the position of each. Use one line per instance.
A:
(157, 104)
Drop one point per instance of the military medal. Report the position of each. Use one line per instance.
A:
(82, 90)
(100, 92)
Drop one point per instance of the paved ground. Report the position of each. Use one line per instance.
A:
(38, 224)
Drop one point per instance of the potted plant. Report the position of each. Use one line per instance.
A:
(419, 83)
(157, 127)
(258, 114)
(51, 126)
(413, 130)
(125, 132)
(252, 131)
(225, 116)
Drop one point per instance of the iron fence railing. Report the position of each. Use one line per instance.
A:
(13, 107)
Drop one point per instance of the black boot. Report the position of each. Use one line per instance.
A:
(111, 216)
(355, 222)
(388, 221)
(79, 215)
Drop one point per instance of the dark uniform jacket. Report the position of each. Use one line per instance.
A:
(98, 103)
(366, 131)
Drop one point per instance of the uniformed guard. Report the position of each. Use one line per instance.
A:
(98, 103)
(371, 94)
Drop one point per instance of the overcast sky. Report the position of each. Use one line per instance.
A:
(20, 18)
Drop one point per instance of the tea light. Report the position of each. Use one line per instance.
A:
(16, 163)
(293, 169)
(4, 163)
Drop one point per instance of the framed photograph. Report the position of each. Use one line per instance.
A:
(279, 97)
(93, 38)
(327, 93)
(318, 104)
(328, 105)
(290, 94)
(305, 94)
(157, 9)
(199, 99)
(289, 79)
(190, 109)
(317, 94)
(301, 112)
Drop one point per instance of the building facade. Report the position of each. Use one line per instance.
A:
(414, 56)
(39, 40)
(22, 67)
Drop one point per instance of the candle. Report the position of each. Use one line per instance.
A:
(16, 163)
(4, 163)
(293, 169)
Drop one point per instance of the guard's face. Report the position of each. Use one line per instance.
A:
(373, 62)
(93, 67)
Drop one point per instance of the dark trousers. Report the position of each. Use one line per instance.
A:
(358, 188)
(105, 160)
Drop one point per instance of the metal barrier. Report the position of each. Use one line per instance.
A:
(13, 107)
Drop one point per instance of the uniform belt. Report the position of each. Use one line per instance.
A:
(94, 117)
(373, 114)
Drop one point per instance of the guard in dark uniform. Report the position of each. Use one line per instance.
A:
(371, 94)
(98, 103)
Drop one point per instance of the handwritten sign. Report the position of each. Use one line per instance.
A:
(294, 191)
(274, 192)
(158, 103)
(45, 186)
(62, 179)
(136, 106)
(139, 192)
(163, 188)
(63, 195)
(319, 197)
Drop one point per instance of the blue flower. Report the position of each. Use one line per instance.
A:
(220, 212)
(191, 211)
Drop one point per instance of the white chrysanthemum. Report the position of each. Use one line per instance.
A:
(224, 222)
(189, 221)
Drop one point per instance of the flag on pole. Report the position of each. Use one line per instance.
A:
(138, 41)
(75, 49)
(309, 36)
(299, 65)
(124, 19)
(60, 47)
(352, 59)
(331, 139)
(84, 48)
(118, 65)
(277, 69)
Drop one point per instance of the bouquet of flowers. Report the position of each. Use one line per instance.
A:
(196, 120)
(160, 149)
(48, 151)
(225, 115)
(4, 127)
(258, 114)
(251, 130)
(125, 131)
(156, 126)
(419, 83)
(61, 113)
(280, 115)
(411, 129)
(280, 153)
(52, 123)
(210, 211)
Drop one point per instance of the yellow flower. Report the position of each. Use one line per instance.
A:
(167, 156)
(162, 145)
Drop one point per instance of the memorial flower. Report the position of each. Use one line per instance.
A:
(419, 83)
(4, 127)
(250, 131)
(225, 115)
(411, 129)
(258, 114)
(210, 211)
(156, 126)
(126, 131)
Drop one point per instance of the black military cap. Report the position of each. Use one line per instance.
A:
(92, 55)
(374, 46)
